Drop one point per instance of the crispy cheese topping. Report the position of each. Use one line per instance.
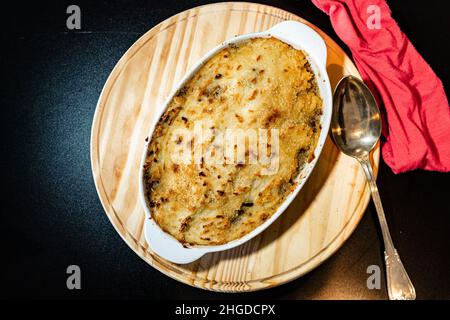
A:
(261, 83)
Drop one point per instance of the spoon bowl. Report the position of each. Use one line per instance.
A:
(356, 120)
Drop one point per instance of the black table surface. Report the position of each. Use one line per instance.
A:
(52, 217)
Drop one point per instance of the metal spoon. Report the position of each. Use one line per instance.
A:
(356, 128)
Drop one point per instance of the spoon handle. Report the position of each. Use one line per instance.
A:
(399, 285)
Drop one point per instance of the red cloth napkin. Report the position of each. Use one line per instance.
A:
(416, 108)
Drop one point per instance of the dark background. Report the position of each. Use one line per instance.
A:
(51, 216)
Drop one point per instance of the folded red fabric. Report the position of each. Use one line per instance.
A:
(416, 107)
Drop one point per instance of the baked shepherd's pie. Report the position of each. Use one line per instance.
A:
(197, 190)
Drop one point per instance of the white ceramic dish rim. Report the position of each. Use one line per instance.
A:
(299, 36)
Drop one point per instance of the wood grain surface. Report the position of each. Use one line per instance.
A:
(315, 225)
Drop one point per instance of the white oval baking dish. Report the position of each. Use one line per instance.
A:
(299, 36)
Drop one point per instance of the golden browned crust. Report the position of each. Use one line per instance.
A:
(259, 83)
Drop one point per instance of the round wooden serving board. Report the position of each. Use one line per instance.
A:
(315, 225)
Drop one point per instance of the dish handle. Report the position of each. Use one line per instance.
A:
(302, 36)
(168, 247)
